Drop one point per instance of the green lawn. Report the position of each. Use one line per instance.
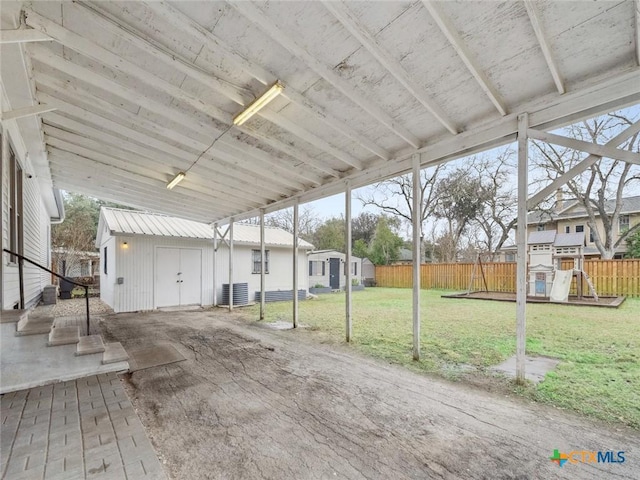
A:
(600, 348)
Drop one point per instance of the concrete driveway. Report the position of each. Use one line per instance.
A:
(253, 403)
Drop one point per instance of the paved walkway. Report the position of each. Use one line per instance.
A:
(81, 429)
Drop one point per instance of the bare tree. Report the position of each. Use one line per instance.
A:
(601, 188)
(308, 221)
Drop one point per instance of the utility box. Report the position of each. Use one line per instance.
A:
(50, 295)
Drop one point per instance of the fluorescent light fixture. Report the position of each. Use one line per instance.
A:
(258, 104)
(176, 180)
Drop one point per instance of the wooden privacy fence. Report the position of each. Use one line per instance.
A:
(610, 277)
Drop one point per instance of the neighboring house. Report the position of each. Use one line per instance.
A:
(569, 216)
(28, 207)
(148, 261)
(75, 264)
(326, 268)
(405, 257)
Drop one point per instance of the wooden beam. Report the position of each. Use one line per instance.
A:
(637, 32)
(521, 241)
(204, 185)
(49, 58)
(580, 167)
(23, 35)
(314, 140)
(347, 261)
(86, 47)
(536, 23)
(416, 220)
(182, 22)
(25, 112)
(256, 16)
(449, 31)
(592, 148)
(296, 227)
(393, 66)
(175, 61)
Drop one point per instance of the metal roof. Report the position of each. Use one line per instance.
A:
(141, 89)
(544, 236)
(131, 222)
(569, 240)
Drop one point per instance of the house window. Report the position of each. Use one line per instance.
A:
(567, 229)
(104, 267)
(623, 223)
(579, 228)
(84, 268)
(15, 206)
(316, 268)
(591, 235)
(510, 257)
(540, 227)
(256, 260)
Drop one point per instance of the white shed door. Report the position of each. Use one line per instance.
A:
(178, 277)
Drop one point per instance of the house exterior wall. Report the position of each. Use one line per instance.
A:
(325, 279)
(36, 229)
(280, 276)
(561, 226)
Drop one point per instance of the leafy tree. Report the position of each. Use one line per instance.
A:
(330, 235)
(633, 245)
(360, 248)
(385, 246)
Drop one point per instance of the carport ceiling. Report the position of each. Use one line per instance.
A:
(142, 88)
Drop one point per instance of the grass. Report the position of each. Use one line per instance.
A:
(599, 349)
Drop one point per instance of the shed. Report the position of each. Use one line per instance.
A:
(150, 261)
(326, 268)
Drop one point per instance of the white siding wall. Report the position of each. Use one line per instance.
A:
(107, 281)
(280, 276)
(36, 235)
(136, 265)
(325, 279)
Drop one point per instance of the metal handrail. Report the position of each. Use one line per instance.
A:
(23, 258)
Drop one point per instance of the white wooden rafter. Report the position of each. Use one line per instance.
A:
(580, 167)
(257, 17)
(592, 148)
(106, 57)
(181, 21)
(48, 58)
(23, 35)
(536, 23)
(393, 66)
(461, 48)
(25, 112)
(172, 59)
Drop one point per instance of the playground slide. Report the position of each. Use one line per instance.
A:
(561, 286)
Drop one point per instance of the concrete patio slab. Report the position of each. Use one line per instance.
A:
(536, 367)
(80, 429)
(28, 362)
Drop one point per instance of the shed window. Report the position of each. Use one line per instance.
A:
(256, 260)
(316, 268)
(623, 223)
(354, 268)
(104, 267)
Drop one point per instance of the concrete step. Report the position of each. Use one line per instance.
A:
(90, 344)
(14, 315)
(63, 336)
(114, 352)
(34, 326)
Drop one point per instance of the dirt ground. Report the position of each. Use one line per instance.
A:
(255, 403)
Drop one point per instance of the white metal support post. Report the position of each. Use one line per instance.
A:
(417, 227)
(347, 261)
(295, 264)
(521, 241)
(263, 263)
(215, 264)
(231, 264)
